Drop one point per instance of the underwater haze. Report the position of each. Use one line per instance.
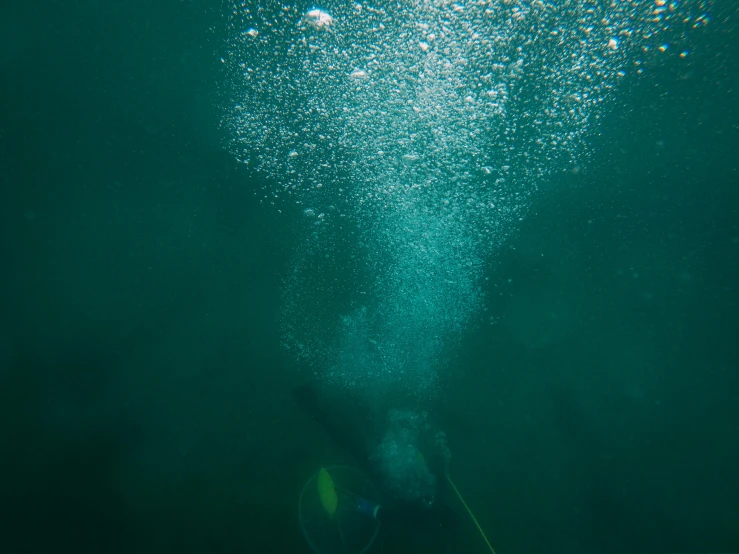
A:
(500, 237)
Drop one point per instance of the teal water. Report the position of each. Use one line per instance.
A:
(589, 404)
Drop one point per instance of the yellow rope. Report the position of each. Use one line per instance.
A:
(470, 512)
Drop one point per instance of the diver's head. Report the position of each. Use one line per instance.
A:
(406, 474)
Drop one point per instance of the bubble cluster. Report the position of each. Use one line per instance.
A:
(419, 131)
(410, 456)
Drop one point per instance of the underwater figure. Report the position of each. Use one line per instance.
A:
(391, 452)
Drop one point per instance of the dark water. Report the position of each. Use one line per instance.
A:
(144, 398)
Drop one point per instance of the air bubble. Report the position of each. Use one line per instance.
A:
(405, 116)
(318, 19)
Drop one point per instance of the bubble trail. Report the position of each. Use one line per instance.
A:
(410, 138)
